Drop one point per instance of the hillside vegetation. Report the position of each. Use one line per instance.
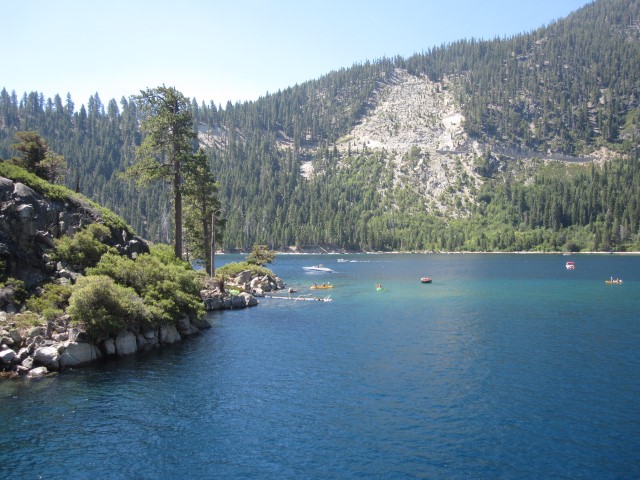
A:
(521, 143)
(82, 267)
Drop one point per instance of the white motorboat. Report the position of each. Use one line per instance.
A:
(318, 268)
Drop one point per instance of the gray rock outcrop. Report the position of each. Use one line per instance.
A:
(48, 356)
(76, 354)
(29, 224)
(169, 334)
(126, 343)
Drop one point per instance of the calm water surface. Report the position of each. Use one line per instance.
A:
(506, 366)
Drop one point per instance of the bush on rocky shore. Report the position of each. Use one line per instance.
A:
(116, 307)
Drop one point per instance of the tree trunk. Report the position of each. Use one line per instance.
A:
(177, 210)
(206, 244)
(212, 248)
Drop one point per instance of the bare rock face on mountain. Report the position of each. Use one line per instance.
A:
(29, 223)
(412, 111)
(420, 126)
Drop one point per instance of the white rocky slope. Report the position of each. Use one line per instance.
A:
(411, 111)
(416, 112)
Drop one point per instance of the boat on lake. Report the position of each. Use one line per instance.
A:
(324, 286)
(425, 279)
(570, 265)
(318, 268)
(613, 281)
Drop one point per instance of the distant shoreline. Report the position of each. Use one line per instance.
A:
(316, 252)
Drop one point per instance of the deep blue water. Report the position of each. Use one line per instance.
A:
(506, 366)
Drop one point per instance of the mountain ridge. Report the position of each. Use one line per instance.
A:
(399, 153)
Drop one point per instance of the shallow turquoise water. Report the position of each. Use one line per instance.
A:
(506, 366)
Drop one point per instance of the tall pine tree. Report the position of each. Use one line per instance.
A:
(166, 148)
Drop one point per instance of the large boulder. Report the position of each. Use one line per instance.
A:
(36, 332)
(134, 247)
(169, 334)
(243, 300)
(6, 189)
(262, 284)
(212, 302)
(109, 347)
(38, 372)
(185, 327)
(147, 340)
(243, 277)
(15, 336)
(7, 296)
(48, 356)
(7, 357)
(201, 323)
(29, 224)
(250, 300)
(126, 343)
(25, 195)
(78, 353)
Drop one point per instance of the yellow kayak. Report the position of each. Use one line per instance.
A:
(324, 286)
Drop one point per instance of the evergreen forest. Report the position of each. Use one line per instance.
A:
(568, 89)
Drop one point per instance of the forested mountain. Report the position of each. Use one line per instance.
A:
(521, 143)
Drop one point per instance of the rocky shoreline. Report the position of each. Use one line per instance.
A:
(47, 349)
(41, 350)
(29, 224)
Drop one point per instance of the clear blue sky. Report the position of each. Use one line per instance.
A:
(233, 50)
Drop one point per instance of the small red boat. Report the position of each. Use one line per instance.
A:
(425, 280)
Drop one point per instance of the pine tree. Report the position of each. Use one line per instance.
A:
(166, 147)
(201, 212)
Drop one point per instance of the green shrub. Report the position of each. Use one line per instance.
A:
(233, 269)
(26, 319)
(169, 286)
(19, 174)
(85, 248)
(165, 255)
(52, 302)
(172, 300)
(261, 255)
(104, 307)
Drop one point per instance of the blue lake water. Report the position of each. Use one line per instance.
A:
(506, 366)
